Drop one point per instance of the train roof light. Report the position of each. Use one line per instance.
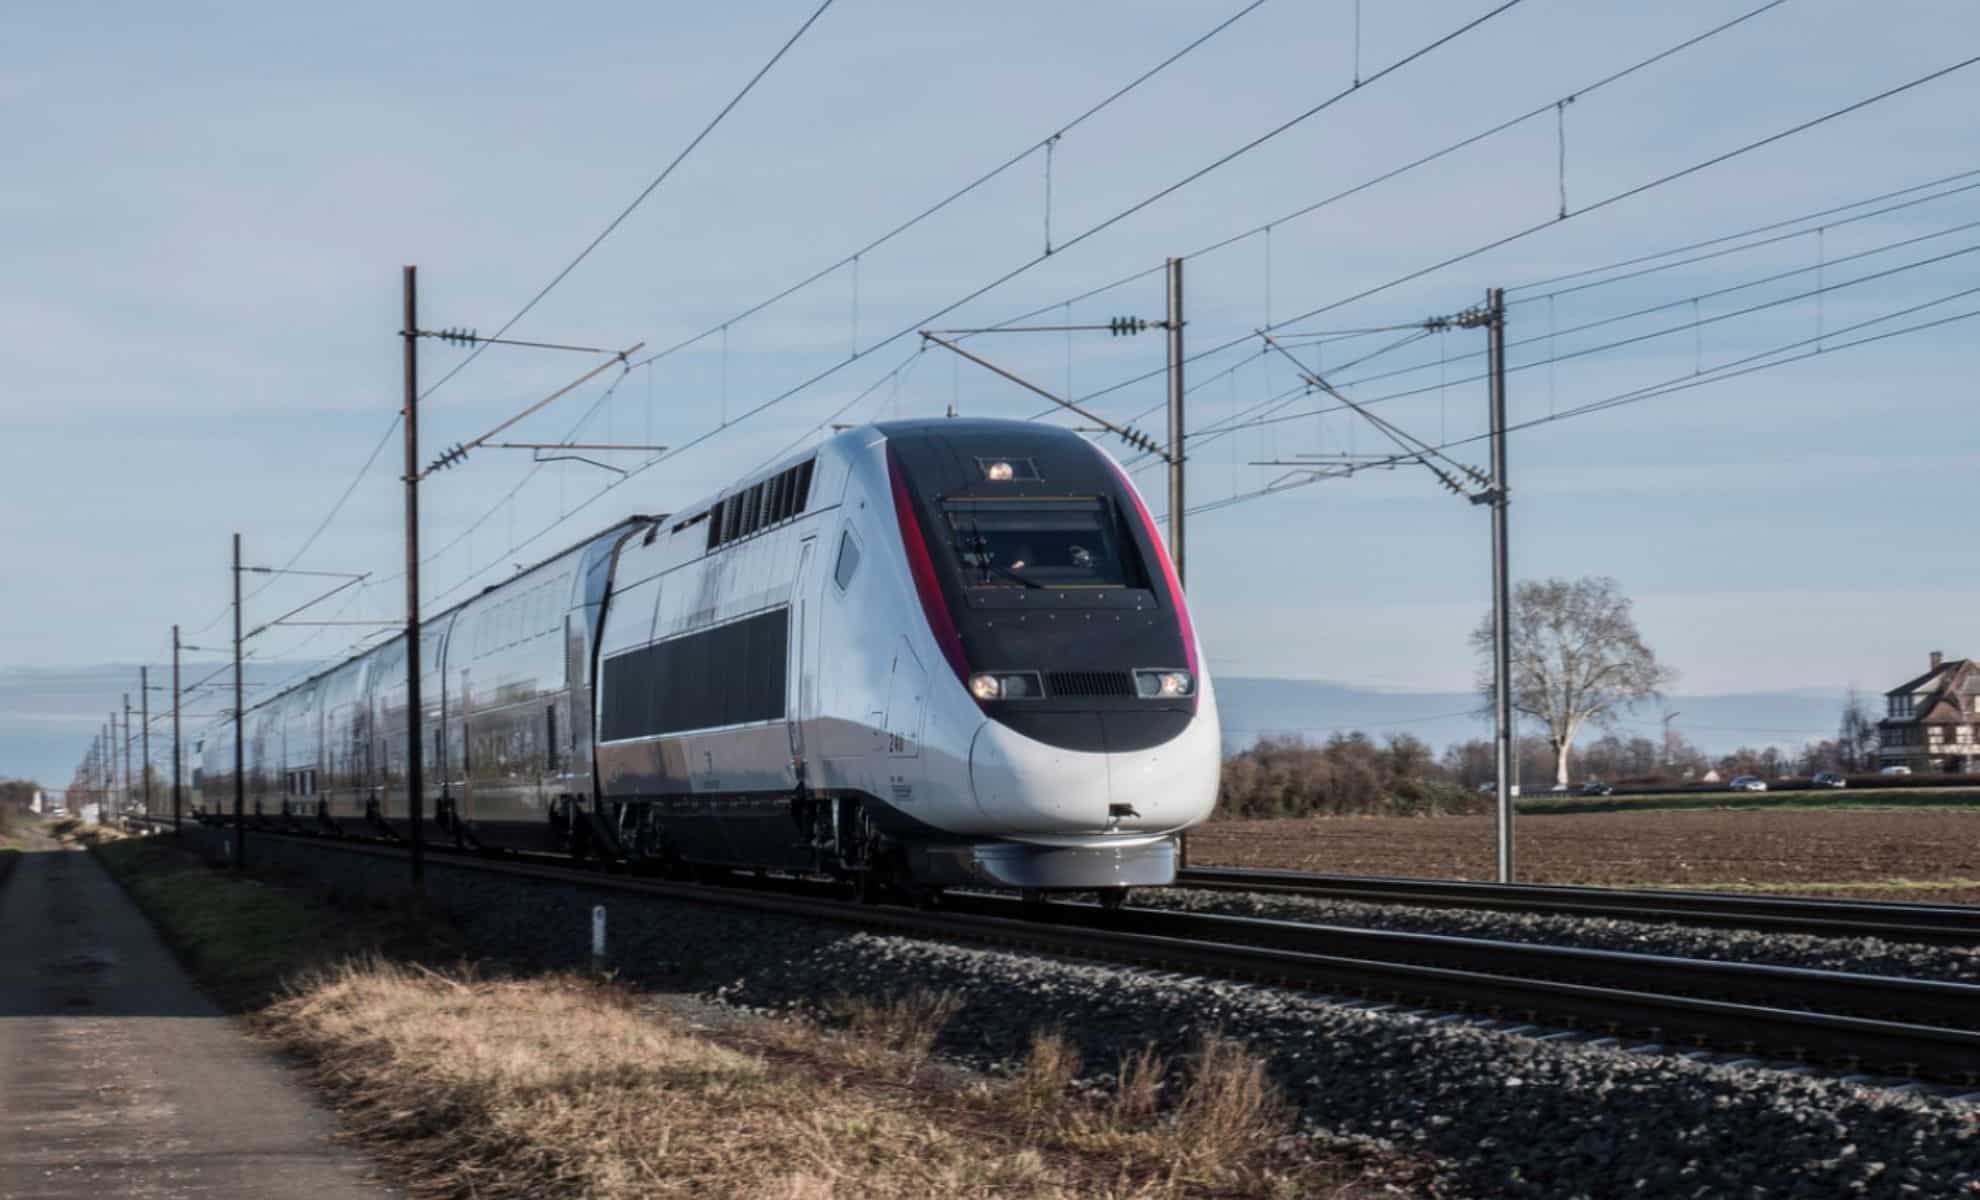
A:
(1008, 470)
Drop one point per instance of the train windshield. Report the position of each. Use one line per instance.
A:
(1041, 543)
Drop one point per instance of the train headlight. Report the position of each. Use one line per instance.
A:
(1164, 685)
(998, 472)
(1006, 685)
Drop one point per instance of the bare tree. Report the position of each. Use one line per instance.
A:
(1857, 738)
(1577, 659)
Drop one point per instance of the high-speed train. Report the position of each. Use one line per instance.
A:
(926, 653)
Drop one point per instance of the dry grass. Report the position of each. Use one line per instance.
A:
(72, 830)
(565, 1087)
(469, 1085)
(900, 1032)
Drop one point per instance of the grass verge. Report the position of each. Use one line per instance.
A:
(1877, 889)
(245, 938)
(471, 1083)
(1824, 801)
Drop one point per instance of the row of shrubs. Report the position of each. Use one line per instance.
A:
(1350, 773)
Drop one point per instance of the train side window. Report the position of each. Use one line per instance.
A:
(848, 564)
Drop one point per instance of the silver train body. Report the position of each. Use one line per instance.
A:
(925, 654)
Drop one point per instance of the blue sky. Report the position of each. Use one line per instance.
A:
(206, 207)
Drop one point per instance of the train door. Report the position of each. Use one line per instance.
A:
(801, 703)
(460, 740)
(907, 692)
(572, 762)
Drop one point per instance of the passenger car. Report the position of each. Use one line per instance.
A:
(1747, 783)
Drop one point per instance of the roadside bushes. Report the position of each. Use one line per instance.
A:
(1348, 774)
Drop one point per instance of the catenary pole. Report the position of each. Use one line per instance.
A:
(124, 801)
(1502, 731)
(240, 745)
(415, 783)
(1175, 328)
(144, 736)
(1176, 517)
(177, 766)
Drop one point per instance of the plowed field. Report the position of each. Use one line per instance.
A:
(1912, 855)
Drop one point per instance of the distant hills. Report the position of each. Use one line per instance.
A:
(47, 717)
(1315, 709)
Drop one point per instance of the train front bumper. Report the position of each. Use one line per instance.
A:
(1085, 865)
(1033, 791)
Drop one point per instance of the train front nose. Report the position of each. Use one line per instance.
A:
(1032, 786)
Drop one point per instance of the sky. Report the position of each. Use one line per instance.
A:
(207, 207)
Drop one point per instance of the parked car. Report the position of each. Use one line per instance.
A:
(1747, 783)
(1829, 779)
(1489, 788)
(1596, 787)
(1895, 771)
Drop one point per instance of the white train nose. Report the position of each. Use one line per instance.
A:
(1027, 786)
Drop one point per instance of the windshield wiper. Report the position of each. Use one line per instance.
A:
(966, 553)
(1007, 573)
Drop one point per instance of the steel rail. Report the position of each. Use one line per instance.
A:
(1936, 923)
(1938, 1002)
(1622, 994)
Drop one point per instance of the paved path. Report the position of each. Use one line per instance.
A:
(118, 1078)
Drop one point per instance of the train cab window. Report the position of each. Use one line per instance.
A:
(1042, 543)
(848, 564)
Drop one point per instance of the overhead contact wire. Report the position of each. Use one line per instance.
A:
(640, 199)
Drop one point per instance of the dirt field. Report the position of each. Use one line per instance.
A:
(1912, 855)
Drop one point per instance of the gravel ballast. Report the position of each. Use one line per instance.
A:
(1864, 955)
(1502, 1114)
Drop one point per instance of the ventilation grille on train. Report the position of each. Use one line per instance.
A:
(1091, 683)
(771, 502)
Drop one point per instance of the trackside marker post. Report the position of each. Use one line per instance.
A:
(598, 935)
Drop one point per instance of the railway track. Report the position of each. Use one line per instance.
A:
(1836, 1020)
(1933, 923)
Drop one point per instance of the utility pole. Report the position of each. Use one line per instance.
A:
(1175, 329)
(144, 735)
(1495, 310)
(240, 746)
(177, 769)
(415, 782)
